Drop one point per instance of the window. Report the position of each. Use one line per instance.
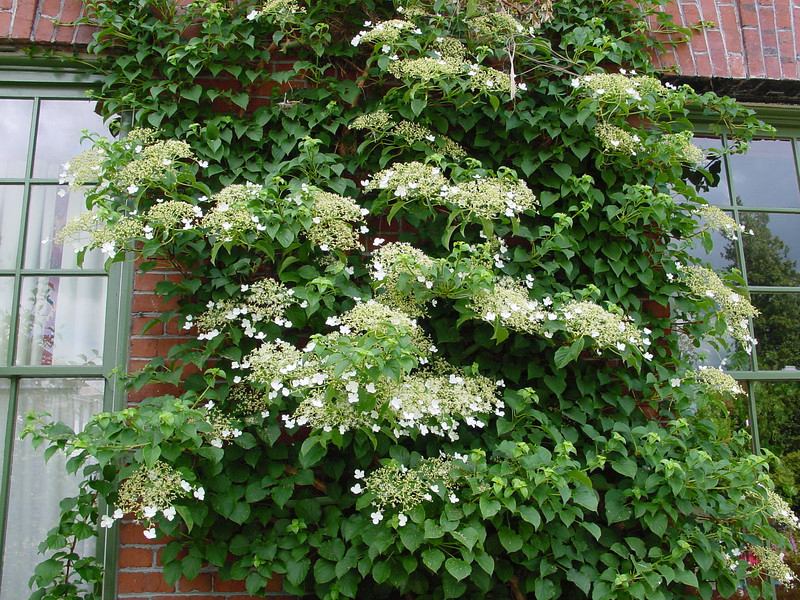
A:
(62, 328)
(760, 189)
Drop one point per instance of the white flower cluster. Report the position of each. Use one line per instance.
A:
(619, 89)
(781, 512)
(223, 429)
(438, 403)
(484, 197)
(333, 218)
(427, 69)
(265, 301)
(616, 140)
(276, 8)
(400, 488)
(606, 329)
(391, 261)
(681, 148)
(149, 491)
(284, 370)
(86, 167)
(384, 32)
(716, 381)
(772, 563)
(510, 305)
(231, 213)
(151, 163)
(734, 308)
(491, 197)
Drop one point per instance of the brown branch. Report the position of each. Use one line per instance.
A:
(515, 591)
(318, 485)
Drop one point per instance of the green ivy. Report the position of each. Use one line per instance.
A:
(593, 471)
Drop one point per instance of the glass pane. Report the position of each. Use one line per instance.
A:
(37, 487)
(766, 175)
(58, 137)
(50, 209)
(10, 224)
(723, 256)
(715, 191)
(6, 302)
(15, 129)
(772, 251)
(778, 411)
(61, 321)
(777, 330)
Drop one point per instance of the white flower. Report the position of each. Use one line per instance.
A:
(132, 189)
(376, 517)
(378, 241)
(453, 499)
(359, 474)
(149, 512)
(203, 164)
(647, 356)
(186, 486)
(357, 489)
(216, 442)
(150, 534)
(252, 15)
(402, 520)
(118, 514)
(200, 493)
(169, 513)
(108, 249)
(106, 522)
(675, 381)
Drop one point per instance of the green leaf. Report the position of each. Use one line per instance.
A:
(193, 93)
(433, 559)
(311, 452)
(458, 568)
(510, 539)
(531, 515)
(657, 523)
(624, 465)
(616, 510)
(489, 507)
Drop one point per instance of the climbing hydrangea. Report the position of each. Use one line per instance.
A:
(152, 163)
(391, 261)
(333, 220)
(409, 180)
(509, 304)
(150, 490)
(616, 140)
(734, 308)
(716, 381)
(718, 220)
(606, 329)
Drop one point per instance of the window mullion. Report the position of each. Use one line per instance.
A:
(7, 440)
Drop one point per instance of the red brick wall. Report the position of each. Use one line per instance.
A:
(757, 39)
(26, 21)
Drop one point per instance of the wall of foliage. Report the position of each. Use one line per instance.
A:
(506, 398)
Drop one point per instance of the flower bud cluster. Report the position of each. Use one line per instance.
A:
(409, 180)
(333, 217)
(283, 369)
(718, 220)
(246, 401)
(223, 428)
(680, 146)
(384, 32)
(772, 563)
(619, 88)
(231, 214)
(617, 140)
(276, 8)
(391, 261)
(427, 69)
(781, 512)
(438, 402)
(168, 215)
(450, 48)
(734, 308)
(381, 123)
(376, 121)
(488, 80)
(716, 381)
(395, 486)
(265, 301)
(607, 329)
(496, 26)
(152, 162)
(491, 197)
(150, 490)
(86, 167)
(510, 304)
(381, 320)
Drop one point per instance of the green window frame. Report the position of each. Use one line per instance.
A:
(40, 82)
(786, 121)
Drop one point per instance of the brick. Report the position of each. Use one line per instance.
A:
(22, 26)
(730, 29)
(147, 281)
(44, 30)
(755, 60)
(130, 558)
(231, 585)
(133, 533)
(150, 303)
(139, 326)
(142, 581)
(5, 25)
(50, 8)
(6, 4)
(153, 391)
(202, 583)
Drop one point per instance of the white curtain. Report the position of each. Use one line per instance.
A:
(36, 486)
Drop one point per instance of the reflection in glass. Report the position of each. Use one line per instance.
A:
(766, 176)
(10, 223)
(15, 129)
(778, 411)
(777, 330)
(6, 303)
(716, 190)
(772, 251)
(5, 400)
(50, 209)
(37, 487)
(58, 137)
(723, 256)
(61, 321)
